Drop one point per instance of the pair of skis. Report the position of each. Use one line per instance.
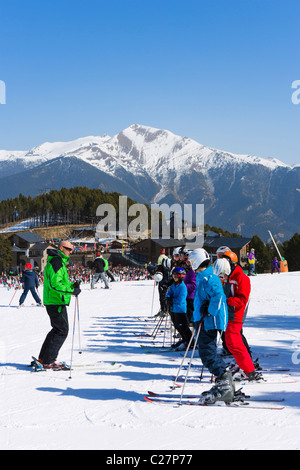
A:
(189, 400)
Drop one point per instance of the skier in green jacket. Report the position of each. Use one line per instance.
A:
(56, 297)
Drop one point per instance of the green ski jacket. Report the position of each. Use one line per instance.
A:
(57, 287)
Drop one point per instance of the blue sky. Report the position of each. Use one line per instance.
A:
(217, 71)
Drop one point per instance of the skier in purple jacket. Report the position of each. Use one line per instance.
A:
(275, 265)
(189, 280)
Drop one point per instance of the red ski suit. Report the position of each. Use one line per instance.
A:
(237, 290)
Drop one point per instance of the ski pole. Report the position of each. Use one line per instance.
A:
(183, 359)
(79, 338)
(157, 326)
(165, 328)
(153, 298)
(72, 349)
(13, 296)
(192, 356)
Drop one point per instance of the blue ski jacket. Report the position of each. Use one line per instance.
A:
(29, 279)
(210, 299)
(178, 292)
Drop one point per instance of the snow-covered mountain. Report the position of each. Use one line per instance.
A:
(241, 193)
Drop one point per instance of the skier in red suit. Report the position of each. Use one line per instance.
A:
(237, 289)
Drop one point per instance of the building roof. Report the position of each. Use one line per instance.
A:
(232, 242)
(40, 246)
(30, 237)
(168, 243)
(210, 242)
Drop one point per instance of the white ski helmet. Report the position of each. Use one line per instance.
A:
(222, 249)
(177, 250)
(158, 277)
(197, 257)
(221, 267)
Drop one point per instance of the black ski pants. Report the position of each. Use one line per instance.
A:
(162, 290)
(181, 324)
(57, 336)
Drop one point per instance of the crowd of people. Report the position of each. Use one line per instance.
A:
(83, 274)
(206, 301)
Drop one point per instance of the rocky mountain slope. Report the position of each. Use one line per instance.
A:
(241, 193)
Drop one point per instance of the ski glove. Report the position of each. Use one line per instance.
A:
(76, 291)
(204, 308)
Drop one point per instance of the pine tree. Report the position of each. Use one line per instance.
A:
(5, 253)
(291, 249)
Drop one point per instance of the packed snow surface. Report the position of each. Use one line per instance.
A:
(102, 405)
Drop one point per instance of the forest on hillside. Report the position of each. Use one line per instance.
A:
(78, 206)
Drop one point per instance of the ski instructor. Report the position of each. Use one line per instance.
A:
(57, 295)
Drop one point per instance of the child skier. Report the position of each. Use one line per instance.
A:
(210, 316)
(30, 282)
(177, 294)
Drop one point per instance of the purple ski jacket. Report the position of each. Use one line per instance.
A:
(190, 282)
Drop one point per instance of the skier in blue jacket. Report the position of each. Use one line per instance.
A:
(30, 282)
(177, 294)
(210, 316)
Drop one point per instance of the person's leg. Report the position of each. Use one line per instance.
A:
(181, 324)
(207, 347)
(223, 389)
(236, 346)
(35, 295)
(104, 279)
(23, 296)
(57, 336)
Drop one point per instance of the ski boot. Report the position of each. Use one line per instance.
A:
(178, 344)
(257, 365)
(223, 390)
(37, 365)
(57, 366)
(240, 396)
(255, 376)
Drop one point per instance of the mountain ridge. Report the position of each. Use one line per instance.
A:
(242, 193)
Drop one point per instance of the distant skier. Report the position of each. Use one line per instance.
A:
(275, 265)
(30, 283)
(162, 256)
(251, 261)
(99, 267)
(107, 271)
